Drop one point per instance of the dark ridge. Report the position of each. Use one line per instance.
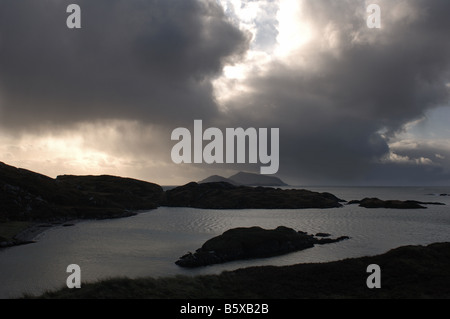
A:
(226, 196)
(28, 196)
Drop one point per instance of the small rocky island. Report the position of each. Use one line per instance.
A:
(394, 204)
(249, 243)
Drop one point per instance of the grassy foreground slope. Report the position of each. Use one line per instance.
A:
(407, 272)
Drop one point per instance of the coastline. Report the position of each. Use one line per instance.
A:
(29, 235)
(340, 212)
(345, 279)
(35, 230)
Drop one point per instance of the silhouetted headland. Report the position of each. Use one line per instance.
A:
(26, 195)
(28, 199)
(226, 196)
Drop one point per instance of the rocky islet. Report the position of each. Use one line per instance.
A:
(250, 243)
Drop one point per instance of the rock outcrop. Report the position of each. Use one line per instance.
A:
(249, 243)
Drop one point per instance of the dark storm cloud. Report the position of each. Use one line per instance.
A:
(150, 60)
(338, 111)
(339, 101)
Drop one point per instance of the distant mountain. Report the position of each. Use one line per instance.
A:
(246, 179)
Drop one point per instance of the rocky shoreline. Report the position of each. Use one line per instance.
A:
(28, 236)
(411, 272)
(26, 196)
(394, 204)
(15, 243)
(251, 243)
(25, 237)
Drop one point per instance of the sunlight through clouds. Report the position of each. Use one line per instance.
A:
(50, 154)
(344, 95)
(277, 33)
(293, 31)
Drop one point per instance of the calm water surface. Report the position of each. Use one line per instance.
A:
(149, 243)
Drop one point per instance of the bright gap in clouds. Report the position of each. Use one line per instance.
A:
(278, 31)
(53, 155)
(102, 148)
(293, 31)
(433, 126)
(424, 142)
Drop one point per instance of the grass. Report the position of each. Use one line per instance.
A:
(8, 230)
(409, 272)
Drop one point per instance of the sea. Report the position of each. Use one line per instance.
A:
(148, 244)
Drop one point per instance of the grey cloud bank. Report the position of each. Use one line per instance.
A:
(341, 101)
(146, 60)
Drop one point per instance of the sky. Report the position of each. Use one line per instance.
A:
(355, 105)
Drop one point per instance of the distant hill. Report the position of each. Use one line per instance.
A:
(246, 179)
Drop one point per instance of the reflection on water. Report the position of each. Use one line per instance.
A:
(150, 243)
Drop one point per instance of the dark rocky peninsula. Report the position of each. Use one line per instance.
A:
(395, 204)
(227, 196)
(249, 243)
(29, 196)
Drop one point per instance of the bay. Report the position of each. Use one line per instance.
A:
(148, 244)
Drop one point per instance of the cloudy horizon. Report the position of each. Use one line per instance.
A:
(354, 105)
